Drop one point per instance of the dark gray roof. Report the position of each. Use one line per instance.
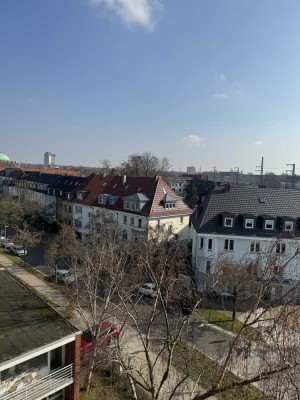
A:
(247, 202)
(26, 322)
(67, 183)
(137, 197)
(38, 177)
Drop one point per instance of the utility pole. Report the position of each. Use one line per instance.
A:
(261, 172)
(292, 176)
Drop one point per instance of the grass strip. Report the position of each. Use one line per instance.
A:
(221, 319)
(207, 372)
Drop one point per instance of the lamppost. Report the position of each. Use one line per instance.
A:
(5, 226)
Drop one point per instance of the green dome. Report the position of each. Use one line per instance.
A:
(4, 157)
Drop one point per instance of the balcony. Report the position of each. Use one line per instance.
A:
(43, 387)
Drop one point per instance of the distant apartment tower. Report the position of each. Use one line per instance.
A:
(49, 159)
(191, 170)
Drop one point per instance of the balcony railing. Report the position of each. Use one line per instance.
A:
(42, 387)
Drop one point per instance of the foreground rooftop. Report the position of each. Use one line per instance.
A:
(26, 321)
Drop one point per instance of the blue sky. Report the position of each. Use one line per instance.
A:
(202, 82)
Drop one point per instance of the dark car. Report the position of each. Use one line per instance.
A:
(108, 332)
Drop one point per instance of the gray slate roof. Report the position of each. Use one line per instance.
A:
(26, 322)
(247, 202)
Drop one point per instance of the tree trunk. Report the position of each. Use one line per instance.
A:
(234, 306)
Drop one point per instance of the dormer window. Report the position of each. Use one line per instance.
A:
(228, 222)
(249, 223)
(288, 225)
(269, 224)
(79, 196)
(169, 205)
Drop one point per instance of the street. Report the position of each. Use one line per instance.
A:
(35, 255)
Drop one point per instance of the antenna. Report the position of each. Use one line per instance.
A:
(261, 171)
(237, 175)
(292, 185)
(214, 175)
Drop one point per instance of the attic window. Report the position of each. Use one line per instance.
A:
(249, 223)
(126, 187)
(139, 189)
(228, 222)
(79, 195)
(269, 224)
(104, 183)
(115, 185)
(262, 200)
(288, 225)
(164, 190)
(170, 205)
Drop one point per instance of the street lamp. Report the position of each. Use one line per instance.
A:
(5, 226)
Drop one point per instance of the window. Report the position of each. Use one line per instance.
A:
(127, 204)
(78, 223)
(208, 266)
(229, 244)
(249, 223)
(201, 243)
(79, 196)
(132, 205)
(278, 270)
(124, 219)
(38, 362)
(288, 225)
(170, 228)
(132, 221)
(55, 358)
(136, 206)
(209, 244)
(124, 234)
(140, 223)
(78, 209)
(70, 209)
(255, 247)
(269, 224)
(228, 222)
(181, 220)
(280, 248)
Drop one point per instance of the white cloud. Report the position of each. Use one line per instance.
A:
(220, 77)
(220, 96)
(258, 143)
(132, 12)
(194, 141)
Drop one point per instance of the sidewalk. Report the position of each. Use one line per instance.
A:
(130, 340)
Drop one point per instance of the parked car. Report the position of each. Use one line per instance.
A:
(108, 332)
(148, 289)
(18, 251)
(64, 276)
(7, 243)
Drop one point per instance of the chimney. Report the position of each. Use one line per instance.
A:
(226, 188)
(124, 180)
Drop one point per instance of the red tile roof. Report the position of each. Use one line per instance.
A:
(153, 188)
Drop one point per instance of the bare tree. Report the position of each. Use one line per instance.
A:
(109, 276)
(11, 211)
(145, 164)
